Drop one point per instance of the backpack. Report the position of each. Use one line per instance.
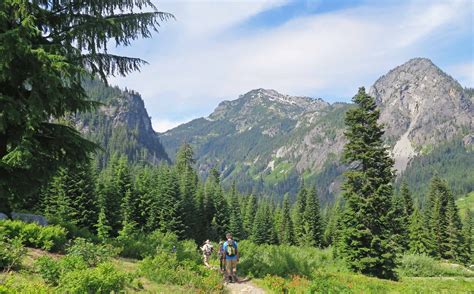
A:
(230, 249)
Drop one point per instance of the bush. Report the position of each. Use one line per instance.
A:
(166, 268)
(51, 270)
(138, 245)
(11, 253)
(91, 253)
(51, 238)
(73, 231)
(105, 278)
(414, 265)
(284, 261)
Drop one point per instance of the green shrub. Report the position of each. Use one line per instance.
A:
(414, 265)
(14, 285)
(91, 253)
(73, 231)
(11, 253)
(284, 261)
(138, 245)
(166, 268)
(51, 270)
(51, 238)
(105, 278)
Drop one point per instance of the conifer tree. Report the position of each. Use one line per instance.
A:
(235, 221)
(331, 231)
(312, 220)
(170, 204)
(299, 215)
(366, 241)
(44, 59)
(420, 241)
(188, 186)
(400, 223)
(262, 230)
(454, 245)
(407, 199)
(250, 213)
(286, 226)
(468, 234)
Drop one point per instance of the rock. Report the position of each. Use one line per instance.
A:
(3, 216)
(30, 218)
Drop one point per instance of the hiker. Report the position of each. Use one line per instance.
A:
(221, 254)
(206, 252)
(231, 258)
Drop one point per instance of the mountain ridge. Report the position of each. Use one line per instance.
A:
(297, 137)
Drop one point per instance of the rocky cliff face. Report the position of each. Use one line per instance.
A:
(270, 140)
(121, 125)
(420, 106)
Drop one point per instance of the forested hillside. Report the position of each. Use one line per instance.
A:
(120, 125)
(269, 142)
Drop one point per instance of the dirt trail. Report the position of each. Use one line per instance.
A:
(244, 287)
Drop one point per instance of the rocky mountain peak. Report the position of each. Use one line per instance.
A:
(420, 105)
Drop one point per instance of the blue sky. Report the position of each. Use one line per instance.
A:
(217, 50)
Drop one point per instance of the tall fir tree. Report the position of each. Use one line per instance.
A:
(405, 194)
(235, 220)
(420, 241)
(299, 215)
(312, 220)
(454, 245)
(366, 241)
(286, 226)
(249, 216)
(188, 180)
(45, 57)
(400, 223)
(468, 233)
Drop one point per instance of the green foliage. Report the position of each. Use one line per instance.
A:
(12, 252)
(56, 44)
(51, 269)
(283, 260)
(366, 240)
(104, 278)
(51, 238)
(91, 253)
(168, 268)
(412, 265)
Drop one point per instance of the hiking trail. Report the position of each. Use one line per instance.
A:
(244, 287)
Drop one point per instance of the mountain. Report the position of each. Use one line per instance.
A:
(267, 141)
(120, 125)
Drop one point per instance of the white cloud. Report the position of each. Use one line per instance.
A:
(163, 125)
(204, 61)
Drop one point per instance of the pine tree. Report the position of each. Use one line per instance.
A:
(262, 230)
(407, 199)
(249, 216)
(468, 233)
(400, 223)
(44, 59)
(366, 237)
(299, 214)
(420, 241)
(312, 220)
(331, 231)
(235, 221)
(188, 186)
(286, 226)
(170, 205)
(454, 244)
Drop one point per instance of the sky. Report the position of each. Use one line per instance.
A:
(218, 50)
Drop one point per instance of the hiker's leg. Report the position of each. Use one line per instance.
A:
(234, 270)
(228, 269)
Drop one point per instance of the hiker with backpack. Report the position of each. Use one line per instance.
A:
(231, 258)
(221, 254)
(206, 252)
